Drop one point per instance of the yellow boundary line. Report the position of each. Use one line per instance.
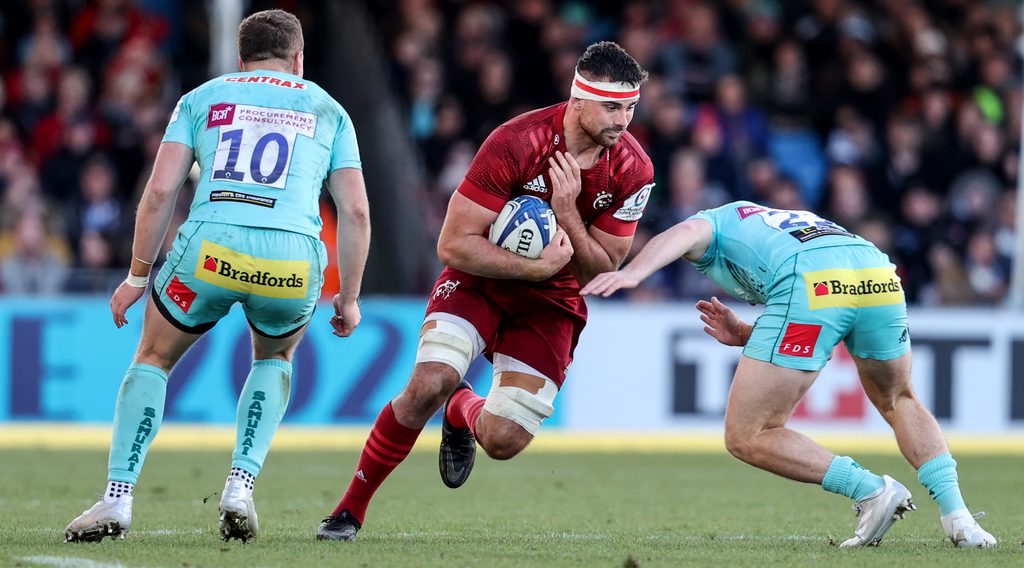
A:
(56, 436)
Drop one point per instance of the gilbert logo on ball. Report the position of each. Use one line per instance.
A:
(525, 225)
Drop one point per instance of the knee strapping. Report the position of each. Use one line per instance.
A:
(521, 406)
(446, 342)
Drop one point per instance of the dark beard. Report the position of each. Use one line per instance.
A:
(598, 137)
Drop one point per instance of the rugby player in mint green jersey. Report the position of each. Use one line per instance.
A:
(820, 285)
(265, 140)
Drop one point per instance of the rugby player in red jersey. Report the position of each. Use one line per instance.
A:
(524, 314)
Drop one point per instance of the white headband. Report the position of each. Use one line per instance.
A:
(605, 91)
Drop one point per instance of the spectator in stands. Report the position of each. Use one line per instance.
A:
(848, 200)
(32, 97)
(94, 272)
(745, 132)
(789, 92)
(987, 271)
(900, 166)
(694, 64)
(921, 227)
(33, 268)
(666, 134)
(62, 170)
(73, 103)
(97, 207)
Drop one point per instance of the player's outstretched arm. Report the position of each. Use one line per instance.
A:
(689, 239)
(723, 324)
(173, 162)
(348, 190)
(463, 246)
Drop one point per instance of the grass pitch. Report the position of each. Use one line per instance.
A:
(540, 509)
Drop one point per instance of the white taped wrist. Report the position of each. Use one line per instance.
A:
(136, 281)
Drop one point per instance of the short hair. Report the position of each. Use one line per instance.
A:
(608, 59)
(270, 34)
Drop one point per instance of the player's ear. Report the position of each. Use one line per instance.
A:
(577, 103)
(298, 63)
(241, 64)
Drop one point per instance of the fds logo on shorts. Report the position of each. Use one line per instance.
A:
(233, 270)
(852, 288)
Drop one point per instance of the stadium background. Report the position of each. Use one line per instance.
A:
(899, 119)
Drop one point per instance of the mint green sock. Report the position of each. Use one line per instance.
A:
(137, 416)
(939, 476)
(847, 477)
(261, 407)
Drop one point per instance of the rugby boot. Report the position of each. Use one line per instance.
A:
(965, 532)
(238, 512)
(878, 511)
(339, 527)
(105, 518)
(458, 448)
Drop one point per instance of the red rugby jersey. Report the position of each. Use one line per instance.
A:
(513, 161)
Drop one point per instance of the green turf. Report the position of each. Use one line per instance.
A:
(540, 509)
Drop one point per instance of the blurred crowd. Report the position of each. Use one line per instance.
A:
(899, 119)
(84, 99)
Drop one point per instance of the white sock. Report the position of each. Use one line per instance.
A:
(244, 476)
(117, 489)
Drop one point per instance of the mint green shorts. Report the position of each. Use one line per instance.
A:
(823, 296)
(276, 276)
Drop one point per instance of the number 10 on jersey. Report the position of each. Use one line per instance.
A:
(255, 144)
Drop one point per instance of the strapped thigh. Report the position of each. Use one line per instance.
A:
(520, 393)
(449, 339)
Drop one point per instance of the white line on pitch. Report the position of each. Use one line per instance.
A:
(68, 562)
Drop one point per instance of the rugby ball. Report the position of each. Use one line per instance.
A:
(525, 225)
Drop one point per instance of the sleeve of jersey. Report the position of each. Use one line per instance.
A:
(345, 153)
(711, 216)
(623, 216)
(493, 172)
(179, 127)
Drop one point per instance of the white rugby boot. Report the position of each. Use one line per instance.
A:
(965, 532)
(237, 512)
(111, 518)
(878, 511)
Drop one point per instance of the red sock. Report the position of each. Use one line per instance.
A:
(464, 408)
(389, 443)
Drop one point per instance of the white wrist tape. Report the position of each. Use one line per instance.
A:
(136, 281)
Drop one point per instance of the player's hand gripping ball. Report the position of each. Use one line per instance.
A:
(524, 226)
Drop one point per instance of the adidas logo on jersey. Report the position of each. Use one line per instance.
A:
(537, 184)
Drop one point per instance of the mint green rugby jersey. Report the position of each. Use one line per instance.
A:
(264, 141)
(750, 242)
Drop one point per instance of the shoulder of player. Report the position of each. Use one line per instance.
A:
(630, 163)
(530, 119)
(630, 146)
(208, 85)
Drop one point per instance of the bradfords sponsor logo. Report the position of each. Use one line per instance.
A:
(233, 270)
(848, 288)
